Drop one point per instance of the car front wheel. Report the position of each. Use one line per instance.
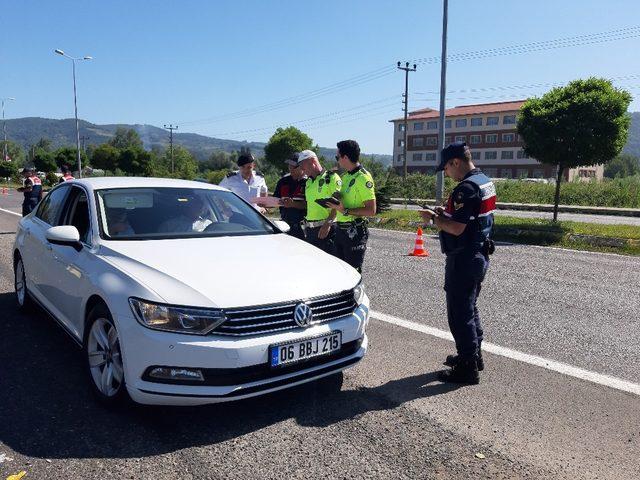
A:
(104, 357)
(20, 285)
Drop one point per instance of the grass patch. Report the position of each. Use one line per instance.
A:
(595, 237)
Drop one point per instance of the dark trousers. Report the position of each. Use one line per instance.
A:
(296, 230)
(28, 206)
(464, 274)
(351, 244)
(327, 244)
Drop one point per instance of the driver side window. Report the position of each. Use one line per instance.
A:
(77, 214)
(51, 206)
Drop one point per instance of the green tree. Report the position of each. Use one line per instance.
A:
(44, 144)
(624, 165)
(218, 160)
(8, 169)
(125, 138)
(14, 152)
(283, 143)
(68, 156)
(584, 123)
(105, 157)
(44, 161)
(134, 161)
(185, 165)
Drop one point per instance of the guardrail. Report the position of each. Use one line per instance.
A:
(622, 212)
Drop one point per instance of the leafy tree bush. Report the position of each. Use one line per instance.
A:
(105, 157)
(283, 143)
(624, 165)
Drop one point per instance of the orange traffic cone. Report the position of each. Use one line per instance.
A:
(419, 250)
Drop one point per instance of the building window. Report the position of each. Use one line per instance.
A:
(584, 173)
(418, 126)
(400, 143)
(475, 155)
(447, 141)
(491, 155)
(521, 154)
(508, 137)
(491, 138)
(493, 120)
(490, 172)
(432, 141)
(461, 122)
(417, 141)
(401, 127)
(509, 120)
(538, 173)
(447, 124)
(417, 157)
(522, 172)
(430, 157)
(400, 159)
(476, 122)
(506, 155)
(506, 173)
(461, 138)
(432, 125)
(519, 138)
(475, 139)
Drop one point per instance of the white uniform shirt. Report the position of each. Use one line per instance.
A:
(255, 187)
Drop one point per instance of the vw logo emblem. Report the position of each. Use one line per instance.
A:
(303, 314)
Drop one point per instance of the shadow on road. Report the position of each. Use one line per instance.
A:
(47, 410)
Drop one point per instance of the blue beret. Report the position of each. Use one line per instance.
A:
(453, 150)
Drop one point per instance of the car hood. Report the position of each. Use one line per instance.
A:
(230, 271)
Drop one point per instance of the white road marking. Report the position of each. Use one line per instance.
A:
(559, 367)
(11, 212)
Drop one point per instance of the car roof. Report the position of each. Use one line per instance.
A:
(99, 183)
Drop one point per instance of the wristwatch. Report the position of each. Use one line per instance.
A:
(346, 211)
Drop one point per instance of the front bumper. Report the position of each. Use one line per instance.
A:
(234, 368)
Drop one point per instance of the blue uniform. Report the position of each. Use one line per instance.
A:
(472, 203)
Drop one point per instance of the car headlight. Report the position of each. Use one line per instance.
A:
(358, 293)
(195, 321)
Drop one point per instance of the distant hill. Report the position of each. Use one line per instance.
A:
(27, 131)
(633, 143)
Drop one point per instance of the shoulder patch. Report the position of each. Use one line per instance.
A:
(369, 184)
(259, 174)
(231, 174)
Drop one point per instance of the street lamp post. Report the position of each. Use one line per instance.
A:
(4, 130)
(75, 104)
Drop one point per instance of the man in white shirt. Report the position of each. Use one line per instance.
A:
(246, 182)
(188, 220)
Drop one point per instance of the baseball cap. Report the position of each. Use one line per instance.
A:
(453, 150)
(292, 160)
(305, 154)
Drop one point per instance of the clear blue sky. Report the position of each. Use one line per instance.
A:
(196, 62)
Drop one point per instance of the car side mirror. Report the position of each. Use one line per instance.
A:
(66, 235)
(282, 225)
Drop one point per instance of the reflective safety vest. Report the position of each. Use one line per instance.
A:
(67, 177)
(36, 189)
(324, 185)
(480, 225)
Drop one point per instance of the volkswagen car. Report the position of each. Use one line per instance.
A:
(181, 293)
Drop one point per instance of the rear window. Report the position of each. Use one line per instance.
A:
(157, 213)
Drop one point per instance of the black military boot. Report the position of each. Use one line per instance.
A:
(463, 371)
(453, 359)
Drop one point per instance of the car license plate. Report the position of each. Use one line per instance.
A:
(303, 350)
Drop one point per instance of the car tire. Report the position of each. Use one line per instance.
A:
(103, 358)
(20, 285)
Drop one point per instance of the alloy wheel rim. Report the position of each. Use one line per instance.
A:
(105, 357)
(19, 282)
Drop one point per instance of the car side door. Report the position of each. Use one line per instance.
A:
(68, 279)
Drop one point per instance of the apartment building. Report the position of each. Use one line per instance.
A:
(490, 132)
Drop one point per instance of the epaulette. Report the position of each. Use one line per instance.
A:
(259, 174)
(231, 174)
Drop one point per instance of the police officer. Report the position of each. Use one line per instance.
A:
(358, 201)
(291, 187)
(320, 184)
(66, 175)
(246, 182)
(32, 189)
(465, 226)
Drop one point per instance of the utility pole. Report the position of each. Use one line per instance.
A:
(443, 91)
(4, 130)
(405, 102)
(171, 128)
(83, 138)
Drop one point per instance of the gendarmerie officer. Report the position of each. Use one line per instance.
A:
(320, 184)
(290, 191)
(32, 190)
(465, 226)
(358, 201)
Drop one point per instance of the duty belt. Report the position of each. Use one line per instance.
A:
(360, 221)
(315, 224)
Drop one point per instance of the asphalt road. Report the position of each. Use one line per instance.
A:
(391, 419)
(573, 217)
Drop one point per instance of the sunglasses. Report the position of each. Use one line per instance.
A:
(338, 157)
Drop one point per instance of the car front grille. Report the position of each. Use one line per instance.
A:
(279, 317)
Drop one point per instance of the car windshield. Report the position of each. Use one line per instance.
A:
(159, 213)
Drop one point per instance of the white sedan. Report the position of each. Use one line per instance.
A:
(181, 293)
